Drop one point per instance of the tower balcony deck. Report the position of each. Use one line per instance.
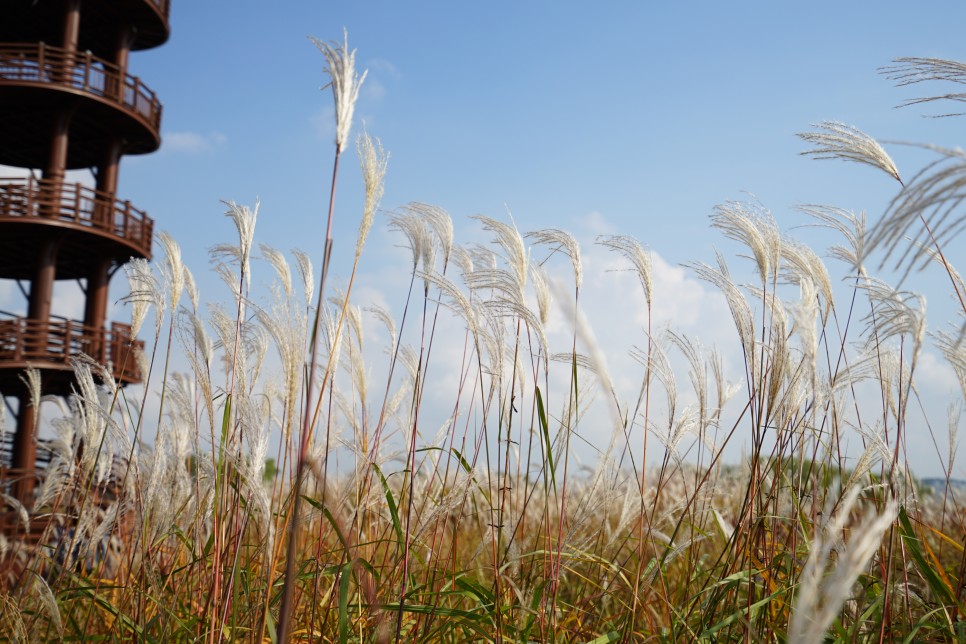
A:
(37, 81)
(43, 21)
(51, 346)
(91, 225)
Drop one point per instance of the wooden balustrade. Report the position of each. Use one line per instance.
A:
(84, 72)
(163, 7)
(59, 340)
(75, 203)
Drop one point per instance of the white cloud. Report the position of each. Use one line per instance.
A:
(323, 122)
(71, 176)
(383, 66)
(373, 90)
(192, 142)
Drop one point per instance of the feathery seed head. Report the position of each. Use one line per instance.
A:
(244, 219)
(386, 318)
(340, 66)
(173, 268)
(439, 223)
(463, 258)
(836, 140)
(304, 263)
(852, 227)
(144, 292)
(508, 238)
(542, 290)
(192, 288)
(803, 265)
(415, 231)
(374, 163)
(564, 241)
(639, 258)
(908, 71)
(282, 271)
(752, 225)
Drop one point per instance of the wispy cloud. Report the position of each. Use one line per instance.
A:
(72, 176)
(384, 67)
(323, 121)
(192, 142)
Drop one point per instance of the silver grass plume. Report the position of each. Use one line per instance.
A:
(508, 238)
(697, 373)
(18, 509)
(172, 270)
(415, 231)
(820, 597)
(565, 242)
(439, 222)
(282, 270)
(802, 264)
(585, 332)
(374, 162)
(94, 422)
(32, 381)
(463, 259)
(340, 66)
(195, 340)
(457, 301)
(835, 140)
(287, 325)
(930, 204)
(952, 345)
(897, 313)
(635, 253)
(541, 289)
(954, 414)
(244, 219)
(583, 361)
(492, 336)
(145, 292)
(959, 285)
(385, 317)
(505, 307)
(48, 602)
(851, 226)
(482, 257)
(804, 316)
(912, 70)
(192, 288)
(660, 368)
(255, 346)
(224, 326)
(410, 360)
(304, 263)
(751, 224)
(740, 310)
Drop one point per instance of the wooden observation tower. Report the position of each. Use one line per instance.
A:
(67, 102)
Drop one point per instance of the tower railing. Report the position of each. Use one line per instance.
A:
(77, 204)
(42, 64)
(59, 340)
(163, 7)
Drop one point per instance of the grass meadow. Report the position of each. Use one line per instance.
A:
(279, 491)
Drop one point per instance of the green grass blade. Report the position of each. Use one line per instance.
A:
(545, 432)
(391, 502)
(344, 579)
(914, 546)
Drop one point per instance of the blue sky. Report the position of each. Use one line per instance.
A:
(630, 117)
(645, 114)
